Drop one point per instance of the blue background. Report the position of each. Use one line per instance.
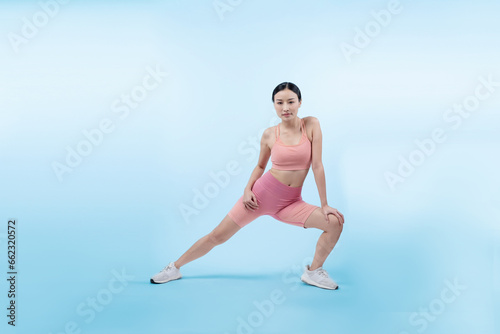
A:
(120, 208)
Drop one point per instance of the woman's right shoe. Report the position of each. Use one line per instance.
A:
(318, 277)
(169, 273)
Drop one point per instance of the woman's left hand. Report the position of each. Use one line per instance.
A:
(329, 210)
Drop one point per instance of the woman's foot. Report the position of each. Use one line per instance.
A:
(169, 273)
(318, 277)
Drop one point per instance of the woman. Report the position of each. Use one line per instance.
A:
(293, 145)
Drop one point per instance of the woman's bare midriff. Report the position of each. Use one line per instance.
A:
(291, 178)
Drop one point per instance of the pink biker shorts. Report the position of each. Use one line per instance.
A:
(275, 199)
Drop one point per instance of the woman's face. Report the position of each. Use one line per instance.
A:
(286, 104)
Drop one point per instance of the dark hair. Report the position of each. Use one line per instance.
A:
(287, 85)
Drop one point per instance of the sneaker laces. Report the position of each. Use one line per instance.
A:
(322, 272)
(166, 267)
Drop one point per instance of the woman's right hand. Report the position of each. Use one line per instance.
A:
(249, 200)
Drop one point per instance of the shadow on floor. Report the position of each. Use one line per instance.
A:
(232, 276)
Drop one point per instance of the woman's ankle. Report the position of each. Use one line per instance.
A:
(311, 268)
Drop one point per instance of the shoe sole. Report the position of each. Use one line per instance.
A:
(158, 282)
(306, 279)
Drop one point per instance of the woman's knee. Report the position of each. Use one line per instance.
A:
(223, 232)
(334, 224)
(217, 238)
(214, 238)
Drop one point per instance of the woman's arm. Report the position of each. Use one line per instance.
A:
(319, 171)
(317, 163)
(265, 153)
(249, 199)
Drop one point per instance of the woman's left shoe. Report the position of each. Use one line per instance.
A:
(318, 277)
(167, 274)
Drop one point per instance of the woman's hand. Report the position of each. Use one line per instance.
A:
(249, 200)
(329, 210)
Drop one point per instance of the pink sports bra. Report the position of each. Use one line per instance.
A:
(291, 157)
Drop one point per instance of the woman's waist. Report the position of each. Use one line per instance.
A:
(290, 178)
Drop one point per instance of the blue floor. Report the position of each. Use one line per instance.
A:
(388, 284)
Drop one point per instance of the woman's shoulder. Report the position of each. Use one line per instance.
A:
(310, 121)
(269, 136)
(269, 133)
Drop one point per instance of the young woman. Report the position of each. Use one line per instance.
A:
(294, 145)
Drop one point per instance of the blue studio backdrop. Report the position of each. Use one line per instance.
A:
(128, 130)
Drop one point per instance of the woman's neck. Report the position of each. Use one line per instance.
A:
(291, 124)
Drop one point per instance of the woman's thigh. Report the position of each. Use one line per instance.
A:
(242, 215)
(296, 213)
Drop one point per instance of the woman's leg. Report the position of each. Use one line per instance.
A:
(220, 234)
(327, 239)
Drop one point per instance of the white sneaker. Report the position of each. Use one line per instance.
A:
(169, 273)
(318, 277)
